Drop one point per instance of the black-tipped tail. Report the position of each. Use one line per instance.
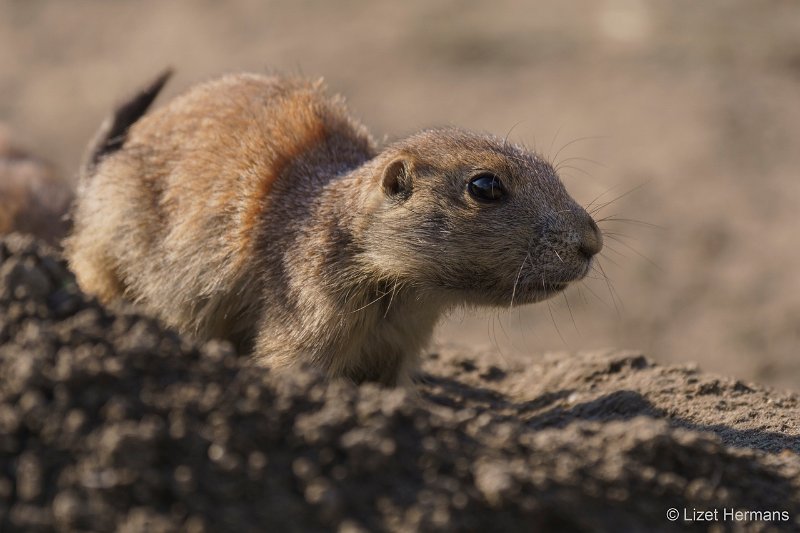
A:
(114, 130)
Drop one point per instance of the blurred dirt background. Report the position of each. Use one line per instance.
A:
(692, 109)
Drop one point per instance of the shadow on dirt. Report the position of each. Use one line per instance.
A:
(618, 405)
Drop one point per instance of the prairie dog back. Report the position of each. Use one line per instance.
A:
(172, 220)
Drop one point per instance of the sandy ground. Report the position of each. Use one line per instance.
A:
(693, 108)
(109, 423)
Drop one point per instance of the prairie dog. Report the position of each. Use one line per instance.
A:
(33, 197)
(254, 208)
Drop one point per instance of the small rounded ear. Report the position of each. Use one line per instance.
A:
(396, 179)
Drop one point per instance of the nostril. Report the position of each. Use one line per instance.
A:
(591, 240)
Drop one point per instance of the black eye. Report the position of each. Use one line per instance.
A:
(486, 187)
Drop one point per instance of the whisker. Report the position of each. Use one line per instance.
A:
(553, 319)
(505, 139)
(586, 159)
(519, 272)
(618, 235)
(493, 334)
(597, 277)
(579, 139)
(495, 317)
(589, 289)
(503, 329)
(623, 195)
(588, 206)
(616, 264)
(637, 252)
(522, 327)
(391, 298)
(572, 167)
(550, 310)
(369, 303)
(516, 281)
(610, 286)
(499, 350)
(582, 296)
(552, 143)
(610, 248)
(569, 307)
(614, 218)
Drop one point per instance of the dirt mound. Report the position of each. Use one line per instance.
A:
(109, 422)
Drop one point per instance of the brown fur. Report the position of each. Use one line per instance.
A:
(255, 209)
(33, 198)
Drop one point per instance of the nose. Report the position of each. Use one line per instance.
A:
(591, 239)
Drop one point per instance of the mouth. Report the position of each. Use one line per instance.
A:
(537, 292)
(551, 288)
(556, 286)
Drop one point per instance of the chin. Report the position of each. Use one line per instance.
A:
(528, 293)
(532, 293)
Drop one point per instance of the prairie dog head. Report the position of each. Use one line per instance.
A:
(469, 218)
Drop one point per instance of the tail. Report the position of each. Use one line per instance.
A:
(114, 130)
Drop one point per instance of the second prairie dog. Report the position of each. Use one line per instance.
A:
(33, 197)
(254, 208)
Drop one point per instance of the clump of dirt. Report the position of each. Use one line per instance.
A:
(110, 422)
